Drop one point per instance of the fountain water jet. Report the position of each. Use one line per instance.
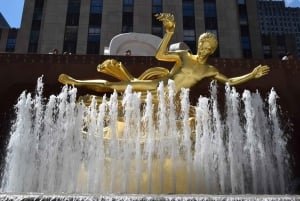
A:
(59, 145)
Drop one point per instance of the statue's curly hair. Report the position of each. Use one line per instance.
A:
(209, 37)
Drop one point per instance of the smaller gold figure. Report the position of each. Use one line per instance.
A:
(186, 72)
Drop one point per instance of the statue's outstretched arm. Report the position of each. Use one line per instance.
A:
(162, 53)
(257, 72)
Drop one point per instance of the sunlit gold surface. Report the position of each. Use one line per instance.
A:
(186, 72)
(178, 181)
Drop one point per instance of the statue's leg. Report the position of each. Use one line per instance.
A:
(106, 86)
(95, 85)
(137, 85)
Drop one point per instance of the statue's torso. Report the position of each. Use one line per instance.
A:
(191, 72)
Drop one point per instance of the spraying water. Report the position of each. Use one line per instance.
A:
(59, 145)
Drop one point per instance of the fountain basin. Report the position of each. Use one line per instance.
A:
(146, 197)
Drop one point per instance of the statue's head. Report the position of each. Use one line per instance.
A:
(209, 38)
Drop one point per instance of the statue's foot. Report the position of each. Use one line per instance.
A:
(107, 65)
(115, 68)
(65, 79)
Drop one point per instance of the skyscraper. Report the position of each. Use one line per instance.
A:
(7, 36)
(87, 27)
(280, 28)
(3, 22)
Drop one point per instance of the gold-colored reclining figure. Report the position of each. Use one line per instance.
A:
(186, 72)
(188, 68)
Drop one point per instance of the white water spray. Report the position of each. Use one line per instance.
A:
(59, 145)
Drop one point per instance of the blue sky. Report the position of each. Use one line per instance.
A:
(12, 10)
(289, 3)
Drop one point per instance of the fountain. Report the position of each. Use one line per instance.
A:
(150, 140)
(60, 146)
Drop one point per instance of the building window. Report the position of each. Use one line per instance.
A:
(95, 19)
(244, 29)
(93, 44)
(246, 42)
(74, 6)
(210, 9)
(242, 2)
(73, 13)
(38, 10)
(211, 22)
(71, 33)
(94, 32)
(72, 19)
(156, 24)
(243, 12)
(35, 26)
(34, 36)
(127, 19)
(188, 8)
(188, 22)
(96, 13)
(11, 40)
(71, 30)
(156, 6)
(266, 41)
(96, 6)
(70, 40)
(189, 38)
(210, 13)
(189, 35)
(10, 45)
(33, 41)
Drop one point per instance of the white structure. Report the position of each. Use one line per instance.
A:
(179, 46)
(139, 44)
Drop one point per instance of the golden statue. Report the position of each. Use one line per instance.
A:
(186, 72)
(188, 69)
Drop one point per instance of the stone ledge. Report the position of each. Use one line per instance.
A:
(146, 197)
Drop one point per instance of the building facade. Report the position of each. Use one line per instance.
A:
(8, 36)
(280, 28)
(88, 26)
(3, 22)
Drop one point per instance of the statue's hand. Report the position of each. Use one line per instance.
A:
(260, 71)
(168, 21)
